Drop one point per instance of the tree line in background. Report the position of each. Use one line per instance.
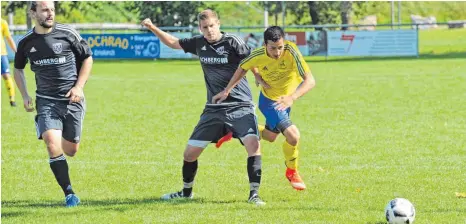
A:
(237, 13)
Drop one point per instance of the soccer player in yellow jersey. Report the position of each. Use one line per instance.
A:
(285, 77)
(5, 63)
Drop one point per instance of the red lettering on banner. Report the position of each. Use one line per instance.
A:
(348, 37)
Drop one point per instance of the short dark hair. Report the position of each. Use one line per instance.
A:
(273, 33)
(34, 6)
(208, 13)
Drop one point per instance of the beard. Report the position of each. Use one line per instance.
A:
(45, 25)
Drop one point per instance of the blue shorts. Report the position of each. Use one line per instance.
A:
(5, 65)
(275, 120)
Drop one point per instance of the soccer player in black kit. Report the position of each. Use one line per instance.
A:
(220, 54)
(61, 61)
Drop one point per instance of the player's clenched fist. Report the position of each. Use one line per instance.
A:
(147, 22)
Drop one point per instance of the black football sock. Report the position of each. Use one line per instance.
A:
(254, 173)
(189, 172)
(59, 168)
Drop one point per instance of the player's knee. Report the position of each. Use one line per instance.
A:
(292, 135)
(189, 157)
(70, 154)
(271, 138)
(293, 139)
(191, 154)
(53, 142)
(252, 146)
(52, 146)
(71, 151)
(70, 148)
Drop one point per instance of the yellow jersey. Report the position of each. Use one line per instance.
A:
(5, 33)
(283, 74)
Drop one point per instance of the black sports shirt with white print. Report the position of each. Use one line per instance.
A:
(55, 59)
(219, 62)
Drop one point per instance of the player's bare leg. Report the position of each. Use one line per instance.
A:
(254, 166)
(59, 166)
(290, 150)
(266, 134)
(10, 88)
(69, 148)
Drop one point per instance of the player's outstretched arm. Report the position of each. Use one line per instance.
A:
(285, 102)
(21, 83)
(166, 38)
(239, 74)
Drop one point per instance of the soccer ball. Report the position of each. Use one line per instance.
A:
(400, 211)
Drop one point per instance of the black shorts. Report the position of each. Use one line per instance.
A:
(60, 115)
(217, 121)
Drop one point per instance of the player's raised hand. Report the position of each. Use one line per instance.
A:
(283, 103)
(220, 97)
(147, 22)
(28, 104)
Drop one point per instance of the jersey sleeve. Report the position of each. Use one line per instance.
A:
(5, 29)
(251, 61)
(301, 65)
(241, 48)
(20, 57)
(79, 46)
(189, 44)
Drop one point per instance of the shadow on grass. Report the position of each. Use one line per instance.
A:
(12, 214)
(85, 202)
(424, 56)
(28, 208)
(110, 202)
(32, 204)
(130, 201)
(379, 222)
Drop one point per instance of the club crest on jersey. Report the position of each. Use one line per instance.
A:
(220, 50)
(57, 48)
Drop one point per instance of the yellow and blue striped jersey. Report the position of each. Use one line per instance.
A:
(283, 74)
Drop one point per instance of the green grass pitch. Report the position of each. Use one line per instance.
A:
(372, 130)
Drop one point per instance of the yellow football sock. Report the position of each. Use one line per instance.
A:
(11, 88)
(261, 130)
(291, 155)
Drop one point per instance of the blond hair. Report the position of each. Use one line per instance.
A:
(207, 14)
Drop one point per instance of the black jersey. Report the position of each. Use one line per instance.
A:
(219, 62)
(55, 59)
